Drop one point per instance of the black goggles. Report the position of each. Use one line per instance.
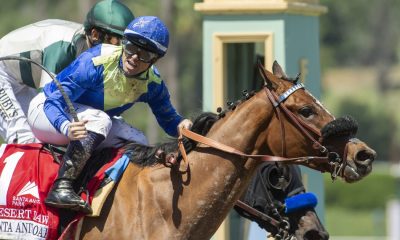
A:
(131, 49)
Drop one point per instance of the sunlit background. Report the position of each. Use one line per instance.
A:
(360, 76)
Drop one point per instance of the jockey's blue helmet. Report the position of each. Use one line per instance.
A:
(150, 33)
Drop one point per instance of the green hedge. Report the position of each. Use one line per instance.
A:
(347, 222)
(370, 193)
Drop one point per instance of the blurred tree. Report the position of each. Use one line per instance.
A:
(359, 32)
(181, 67)
(169, 66)
(376, 125)
(357, 196)
(84, 7)
(365, 33)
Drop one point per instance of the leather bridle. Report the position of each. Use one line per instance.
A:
(280, 223)
(336, 162)
(332, 158)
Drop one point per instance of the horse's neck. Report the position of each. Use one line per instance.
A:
(183, 205)
(242, 127)
(222, 177)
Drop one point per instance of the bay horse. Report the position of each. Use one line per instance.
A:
(190, 201)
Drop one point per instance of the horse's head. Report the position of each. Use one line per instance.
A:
(289, 211)
(307, 128)
(293, 205)
(308, 226)
(303, 224)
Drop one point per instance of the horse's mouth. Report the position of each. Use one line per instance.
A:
(350, 174)
(359, 161)
(353, 173)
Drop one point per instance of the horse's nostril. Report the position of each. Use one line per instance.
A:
(365, 155)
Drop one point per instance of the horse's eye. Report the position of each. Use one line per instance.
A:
(306, 112)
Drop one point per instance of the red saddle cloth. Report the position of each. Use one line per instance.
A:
(27, 172)
(26, 175)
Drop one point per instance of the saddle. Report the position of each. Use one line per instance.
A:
(27, 172)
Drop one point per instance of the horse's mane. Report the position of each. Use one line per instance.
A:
(144, 155)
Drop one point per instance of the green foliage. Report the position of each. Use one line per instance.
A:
(18, 13)
(369, 194)
(360, 32)
(356, 34)
(186, 36)
(375, 124)
(348, 222)
(358, 209)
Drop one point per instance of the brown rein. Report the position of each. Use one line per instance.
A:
(222, 147)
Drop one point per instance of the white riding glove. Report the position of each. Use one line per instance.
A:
(185, 123)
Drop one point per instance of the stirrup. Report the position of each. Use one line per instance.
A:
(84, 208)
(73, 201)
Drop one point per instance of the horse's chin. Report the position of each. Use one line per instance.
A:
(351, 175)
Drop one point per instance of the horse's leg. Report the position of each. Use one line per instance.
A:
(93, 227)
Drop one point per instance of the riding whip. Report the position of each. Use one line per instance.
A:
(58, 84)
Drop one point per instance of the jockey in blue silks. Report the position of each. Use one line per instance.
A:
(102, 83)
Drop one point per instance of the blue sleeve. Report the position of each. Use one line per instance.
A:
(75, 79)
(159, 101)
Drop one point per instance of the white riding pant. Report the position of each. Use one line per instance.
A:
(115, 130)
(14, 103)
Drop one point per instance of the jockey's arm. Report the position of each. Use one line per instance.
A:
(160, 103)
(74, 79)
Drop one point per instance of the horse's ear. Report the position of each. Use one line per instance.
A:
(278, 71)
(267, 76)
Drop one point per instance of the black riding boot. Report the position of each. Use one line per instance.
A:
(62, 194)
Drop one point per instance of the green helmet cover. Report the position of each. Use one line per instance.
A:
(110, 15)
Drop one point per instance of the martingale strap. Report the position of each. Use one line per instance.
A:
(257, 214)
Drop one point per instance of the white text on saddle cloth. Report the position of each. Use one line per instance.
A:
(23, 214)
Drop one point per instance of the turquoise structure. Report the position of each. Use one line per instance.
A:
(234, 33)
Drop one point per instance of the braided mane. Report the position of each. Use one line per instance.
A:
(145, 155)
